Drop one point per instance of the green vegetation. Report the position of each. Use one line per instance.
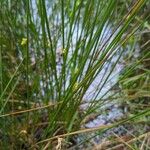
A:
(51, 54)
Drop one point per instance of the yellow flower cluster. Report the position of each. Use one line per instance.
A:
(24, 41)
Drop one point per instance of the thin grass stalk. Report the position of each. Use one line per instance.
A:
(1, 65)
(28, 110)
(11, 92)
(8, 84)
(63, 71)
(45, 50)
(72, 21)
(53, 57)
(125, 143)
(27, 58)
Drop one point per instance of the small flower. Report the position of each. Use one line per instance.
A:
(64, 51)
(23, 132)
(48, 43)
(75, 86)
(76, 70)
(24, 41)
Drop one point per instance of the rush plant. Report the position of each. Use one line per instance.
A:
(51, 54)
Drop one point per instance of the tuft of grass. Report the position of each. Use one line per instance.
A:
(51, 54)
